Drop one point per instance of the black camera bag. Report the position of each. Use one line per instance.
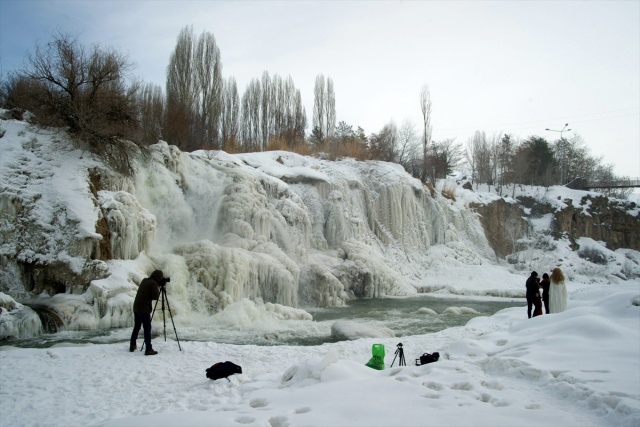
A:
(223, 370)
(429, 358)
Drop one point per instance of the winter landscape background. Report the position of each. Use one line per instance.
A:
(250, 240)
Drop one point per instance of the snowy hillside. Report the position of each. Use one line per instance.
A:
(281, 230)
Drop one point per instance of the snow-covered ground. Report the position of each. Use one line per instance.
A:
(577, 368)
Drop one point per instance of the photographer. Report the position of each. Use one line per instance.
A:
(148, 291)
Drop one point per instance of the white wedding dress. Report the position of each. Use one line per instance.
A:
(557, 297)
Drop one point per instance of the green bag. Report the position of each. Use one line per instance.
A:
(377, 360)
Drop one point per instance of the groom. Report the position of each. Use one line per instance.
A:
(533, 292)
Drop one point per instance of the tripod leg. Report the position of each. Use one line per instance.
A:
(394, 359)
(164, 320)
(174, 326)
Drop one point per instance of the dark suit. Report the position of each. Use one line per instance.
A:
(545, 294)
(533, 294)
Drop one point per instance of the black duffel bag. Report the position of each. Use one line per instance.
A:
(428, 358)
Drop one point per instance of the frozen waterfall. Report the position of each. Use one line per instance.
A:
(272, 227)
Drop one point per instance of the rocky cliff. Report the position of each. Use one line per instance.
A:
(612, 221)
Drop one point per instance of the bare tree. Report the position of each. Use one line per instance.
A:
(425, 106)
(300, 120)
(330, 110)
(448, 155)
(181, 91)
(194, 92)
(266, 116)
(208, 91)
(382, 146)
(482, 154)
(409, 148)
(505, 161)
(151, 104)
(319, 105)
(85, 90)
(230, 128)
(324, 108)
(494, 158)
(470, 157)
(17, 91)
(275, 106)
(521, 158)
(288, 113)
(251, 125)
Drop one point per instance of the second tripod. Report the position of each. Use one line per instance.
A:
(163, 297)
(400, 353)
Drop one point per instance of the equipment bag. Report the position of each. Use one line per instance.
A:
(223, 370)
(428, 358)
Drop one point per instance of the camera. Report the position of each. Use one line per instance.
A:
(399, 345)
(167, 279)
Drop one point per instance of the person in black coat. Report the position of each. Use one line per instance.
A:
(148, 291)
(533, 294)
(544, 285)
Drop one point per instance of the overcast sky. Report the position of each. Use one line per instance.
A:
(511, 66)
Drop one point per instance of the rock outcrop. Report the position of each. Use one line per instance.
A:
(601, 219)
(504, 223)
(597, 217)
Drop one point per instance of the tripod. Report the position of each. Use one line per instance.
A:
(163, 297)
(399, 352)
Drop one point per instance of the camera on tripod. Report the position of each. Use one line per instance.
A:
(399, 352)
(162, 281)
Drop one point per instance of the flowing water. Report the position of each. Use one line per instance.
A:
(402, 315)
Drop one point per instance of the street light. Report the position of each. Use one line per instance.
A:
(562, 148)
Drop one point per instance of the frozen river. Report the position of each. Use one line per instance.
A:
(404, 316)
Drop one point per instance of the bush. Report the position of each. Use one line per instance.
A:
(593, 255)
(449, 191)
(545, 243)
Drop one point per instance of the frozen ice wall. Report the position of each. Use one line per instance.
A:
(274, 227)
(278, 227)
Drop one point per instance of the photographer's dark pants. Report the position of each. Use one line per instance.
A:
(546, 305)
(144, 320)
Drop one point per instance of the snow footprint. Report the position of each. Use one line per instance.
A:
(302, 410)
(462, 386)
(244, 420)
(433, 385)
(492, 385)
(432, 396)
(279, 421)
(487, 398)
(258, 403)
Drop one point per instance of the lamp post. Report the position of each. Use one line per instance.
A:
(562, 148)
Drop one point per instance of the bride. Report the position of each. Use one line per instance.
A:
(558, 292)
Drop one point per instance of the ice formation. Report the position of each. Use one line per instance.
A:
(273, 227)
(350, 330)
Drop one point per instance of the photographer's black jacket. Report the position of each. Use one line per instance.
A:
(149, 290)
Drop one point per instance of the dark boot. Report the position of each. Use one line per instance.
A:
(132, 347)
(150, 352)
